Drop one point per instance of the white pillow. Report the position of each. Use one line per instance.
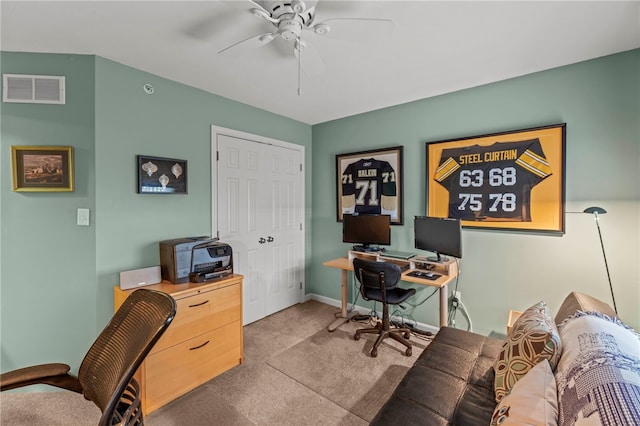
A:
(531, 401)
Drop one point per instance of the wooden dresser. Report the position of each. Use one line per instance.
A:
(203, 341)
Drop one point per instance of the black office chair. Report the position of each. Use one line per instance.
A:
(379, 282)
(106, 372)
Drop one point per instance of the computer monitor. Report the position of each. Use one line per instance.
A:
(365, 230)
(442, 236)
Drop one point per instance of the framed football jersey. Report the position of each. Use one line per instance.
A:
(511, 180)
(370, 182)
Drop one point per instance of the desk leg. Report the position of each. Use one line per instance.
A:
(444, 306)
(342, 316)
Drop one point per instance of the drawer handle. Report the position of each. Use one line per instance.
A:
(199, 304)
(200, 346)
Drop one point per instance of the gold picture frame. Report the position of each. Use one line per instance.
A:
(42, 168)
(512, 180)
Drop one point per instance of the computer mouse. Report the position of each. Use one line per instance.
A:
(428, 274)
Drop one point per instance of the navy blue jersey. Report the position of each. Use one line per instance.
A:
(371, 184)
(492, 183)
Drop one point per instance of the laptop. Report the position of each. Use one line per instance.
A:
(397, 254)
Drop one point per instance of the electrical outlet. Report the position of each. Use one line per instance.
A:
(457, 295)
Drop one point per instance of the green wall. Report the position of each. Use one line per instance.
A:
(48, 289)
(57, 278)
(174, 122)
(599, 101)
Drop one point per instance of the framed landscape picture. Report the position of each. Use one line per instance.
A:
(42, 168)
(370, 182)
(512, 180)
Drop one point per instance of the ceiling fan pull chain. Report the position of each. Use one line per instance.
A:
(299, 47)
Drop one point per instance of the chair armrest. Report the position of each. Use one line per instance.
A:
(51, 374)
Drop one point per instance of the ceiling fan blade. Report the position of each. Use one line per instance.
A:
(356, 29)
(310, 60)
(219, 17)
(311, 3)
(244, 46)
(255, 3)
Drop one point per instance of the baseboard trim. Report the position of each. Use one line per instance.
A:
(362, 309)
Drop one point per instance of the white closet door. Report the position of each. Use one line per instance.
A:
(260, 214)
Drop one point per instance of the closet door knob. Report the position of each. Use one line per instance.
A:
(262, 240)
(269, 239)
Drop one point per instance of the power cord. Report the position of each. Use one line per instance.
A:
(455, 305)
(413, 328)
(373, 318)
(357, 296)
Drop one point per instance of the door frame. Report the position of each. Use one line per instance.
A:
(218, 130)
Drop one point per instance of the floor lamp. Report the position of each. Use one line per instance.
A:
(596, 211)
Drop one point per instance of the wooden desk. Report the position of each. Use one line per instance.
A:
(448, 272)
(344, 264)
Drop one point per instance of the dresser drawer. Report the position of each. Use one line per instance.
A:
(177, 370)
(201, 313)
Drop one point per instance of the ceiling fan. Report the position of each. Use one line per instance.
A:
(291, 19)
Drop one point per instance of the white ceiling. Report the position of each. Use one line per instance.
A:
(436, 46)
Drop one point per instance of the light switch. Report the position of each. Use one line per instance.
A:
(83, 217)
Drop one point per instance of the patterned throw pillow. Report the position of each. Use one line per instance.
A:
(598, 376)
(533, 338)
(532, 401)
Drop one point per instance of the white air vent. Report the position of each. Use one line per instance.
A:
(33, 89)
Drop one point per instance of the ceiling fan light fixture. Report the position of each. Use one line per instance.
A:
(299, 45)
(291, 18)
(289, 29)
(298, 6)
(321, 29)
(266, 38)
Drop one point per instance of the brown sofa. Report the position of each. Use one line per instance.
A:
(452, 382)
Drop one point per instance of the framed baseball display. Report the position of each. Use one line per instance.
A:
(158, 175)
(511, 180)
(370, 182)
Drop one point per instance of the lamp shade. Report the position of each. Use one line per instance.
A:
(592, 210)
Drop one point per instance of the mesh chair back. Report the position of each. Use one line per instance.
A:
(368, 273)
(108, 368)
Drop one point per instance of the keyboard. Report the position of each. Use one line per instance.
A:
(397, 254)
(426, 275)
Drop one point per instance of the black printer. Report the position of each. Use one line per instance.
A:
(195, 259)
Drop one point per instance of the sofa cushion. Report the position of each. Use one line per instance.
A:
(577, 301)
(598, 376)
(531, 401)
(533, 338)
(450, 383)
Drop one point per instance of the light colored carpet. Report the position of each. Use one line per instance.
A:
(340, 368)
(294, 372)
